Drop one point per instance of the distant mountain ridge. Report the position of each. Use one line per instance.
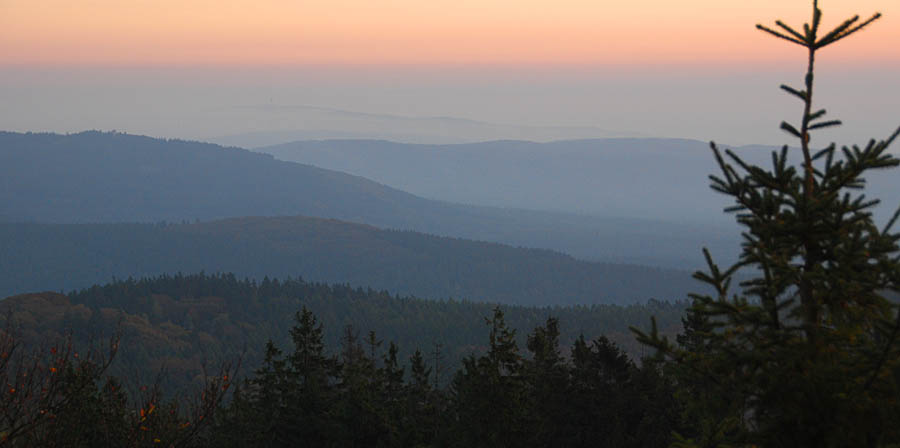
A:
(113, 177)
(289, 122)
(661, 179)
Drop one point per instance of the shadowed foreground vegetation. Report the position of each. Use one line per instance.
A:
(176, 322)
(360, 394)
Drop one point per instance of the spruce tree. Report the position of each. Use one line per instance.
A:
(419, 425)
(489, 392)
(804, 352)
(547, 377)
(310, 392)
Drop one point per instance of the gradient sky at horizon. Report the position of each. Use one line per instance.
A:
(287, 32)
(624, 65)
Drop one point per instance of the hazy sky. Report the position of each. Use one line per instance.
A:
(202, 68)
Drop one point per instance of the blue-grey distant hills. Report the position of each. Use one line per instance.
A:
(286, 123)
(39, 257)
(656, 179)
(96, 177)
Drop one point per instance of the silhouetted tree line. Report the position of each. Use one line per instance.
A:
(345, 389)
(365, 397)
(219, 315)
(362, 396)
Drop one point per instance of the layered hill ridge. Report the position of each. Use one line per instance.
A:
(662, 179)
(69, 256)
(112, 177)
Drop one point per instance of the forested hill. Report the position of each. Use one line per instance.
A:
(62, 257)
(113, 177)
(176, 321)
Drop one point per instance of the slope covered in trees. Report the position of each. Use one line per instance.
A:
(59, 257)
(308, 388)
(177, 321)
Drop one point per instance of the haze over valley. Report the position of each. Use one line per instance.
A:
(664, 180)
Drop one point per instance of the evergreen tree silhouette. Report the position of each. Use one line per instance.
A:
(805, 353)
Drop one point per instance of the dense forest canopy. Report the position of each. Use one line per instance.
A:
(305, 391)
(174, 321)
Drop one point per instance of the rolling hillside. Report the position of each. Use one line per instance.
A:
(62, 257)
(95, 177)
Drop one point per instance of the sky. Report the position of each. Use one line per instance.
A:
(203, 68)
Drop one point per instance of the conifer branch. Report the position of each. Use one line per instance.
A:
(790, 129)
(816, 115)
(779, 35)
(836, 32)
(892, 138)
(790, 30)
(793, 91)
(832, 39)
(825, 124)
(892, 221)
(895, 332)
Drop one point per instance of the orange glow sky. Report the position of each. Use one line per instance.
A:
(433, 32)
